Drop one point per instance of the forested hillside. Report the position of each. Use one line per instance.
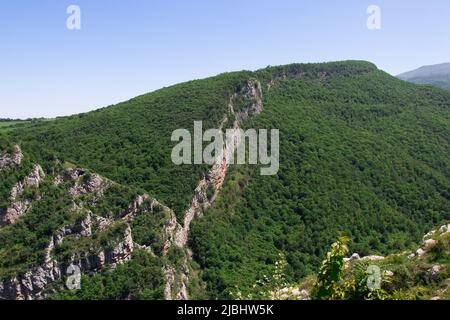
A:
(365, 156)
(362, 154)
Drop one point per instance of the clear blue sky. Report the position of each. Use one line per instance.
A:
(130, 47)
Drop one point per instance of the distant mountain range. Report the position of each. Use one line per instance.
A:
(437, 75)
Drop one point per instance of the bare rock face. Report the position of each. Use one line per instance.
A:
(122, 252)
(198, 205)
(434, 273)
(143, 203)
(372, 258)
(388, 273)
(93, 184)
(171, 229)
(134, 207)
(169, 274)
(175, 289)
(11, 160)
(445, 229)
(19, 208)
(32, 180)
(214, 179)
(253, 94)
(290, 293)
(35, 177)
(14, 212)
(81, 228)
(354, 257)
(32, 284)
(182, 292)
(58, 180)
(428, 241)
(420, 252)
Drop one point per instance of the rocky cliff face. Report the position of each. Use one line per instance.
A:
(19, 207)
(214, 179)
(34, 283)
(88, 262)
(93, 184)
(251, 94)
(11, 160)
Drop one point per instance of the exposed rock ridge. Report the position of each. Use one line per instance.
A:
(11, 160)
(91, 184)
(20, 207)
(216, 175)
(251, 93)
(33, 285)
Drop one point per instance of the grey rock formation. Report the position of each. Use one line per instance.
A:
(429, 242)
(11, 160)
(33, 284)
(20, 207)
(93, 184)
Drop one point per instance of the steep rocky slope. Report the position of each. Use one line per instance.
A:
(73, 236)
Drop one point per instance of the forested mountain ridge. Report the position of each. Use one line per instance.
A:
(362, 154)
(365, 156)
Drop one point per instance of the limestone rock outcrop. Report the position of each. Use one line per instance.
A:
(20, 207)
(11, 160)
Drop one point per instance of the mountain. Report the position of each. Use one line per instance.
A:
(362, 154)
(437, 75)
